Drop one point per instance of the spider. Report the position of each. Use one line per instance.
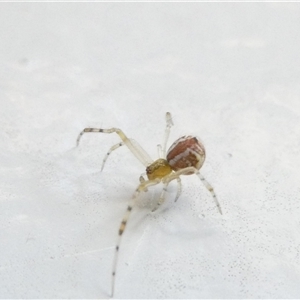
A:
(185, 157)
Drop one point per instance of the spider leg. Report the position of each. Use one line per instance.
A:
(179, 189)
(109, 152)
(192, 170)
(162, 197)
(133, 146)
(159, 151)
(211, 190)
(169, 124)
(141, 187)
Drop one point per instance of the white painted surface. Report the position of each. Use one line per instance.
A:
(228, 72)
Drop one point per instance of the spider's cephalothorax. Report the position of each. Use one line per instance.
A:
(185, 157)
(158, 169)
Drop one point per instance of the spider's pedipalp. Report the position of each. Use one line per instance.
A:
(141, 187)
(142, 179)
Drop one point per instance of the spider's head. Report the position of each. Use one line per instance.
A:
(158, 169)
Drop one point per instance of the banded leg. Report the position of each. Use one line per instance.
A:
(211, 190)
(192, 170)
(169, 124)
(133, 146)
(109, 152)
(142, 186)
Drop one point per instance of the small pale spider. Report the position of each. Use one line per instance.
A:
(185, 157)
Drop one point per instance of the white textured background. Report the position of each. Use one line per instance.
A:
(228, 72)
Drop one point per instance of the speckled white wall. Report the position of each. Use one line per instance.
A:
(228, 72)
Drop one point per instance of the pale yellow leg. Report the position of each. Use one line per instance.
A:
(142, 186)
(188, 171)
(110, 151)
(133, 146)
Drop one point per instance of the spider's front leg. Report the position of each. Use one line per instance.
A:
(85, 130)
(141, 187)
(111, 149)
(132, 145)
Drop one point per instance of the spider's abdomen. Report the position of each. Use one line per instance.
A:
(185, 152)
